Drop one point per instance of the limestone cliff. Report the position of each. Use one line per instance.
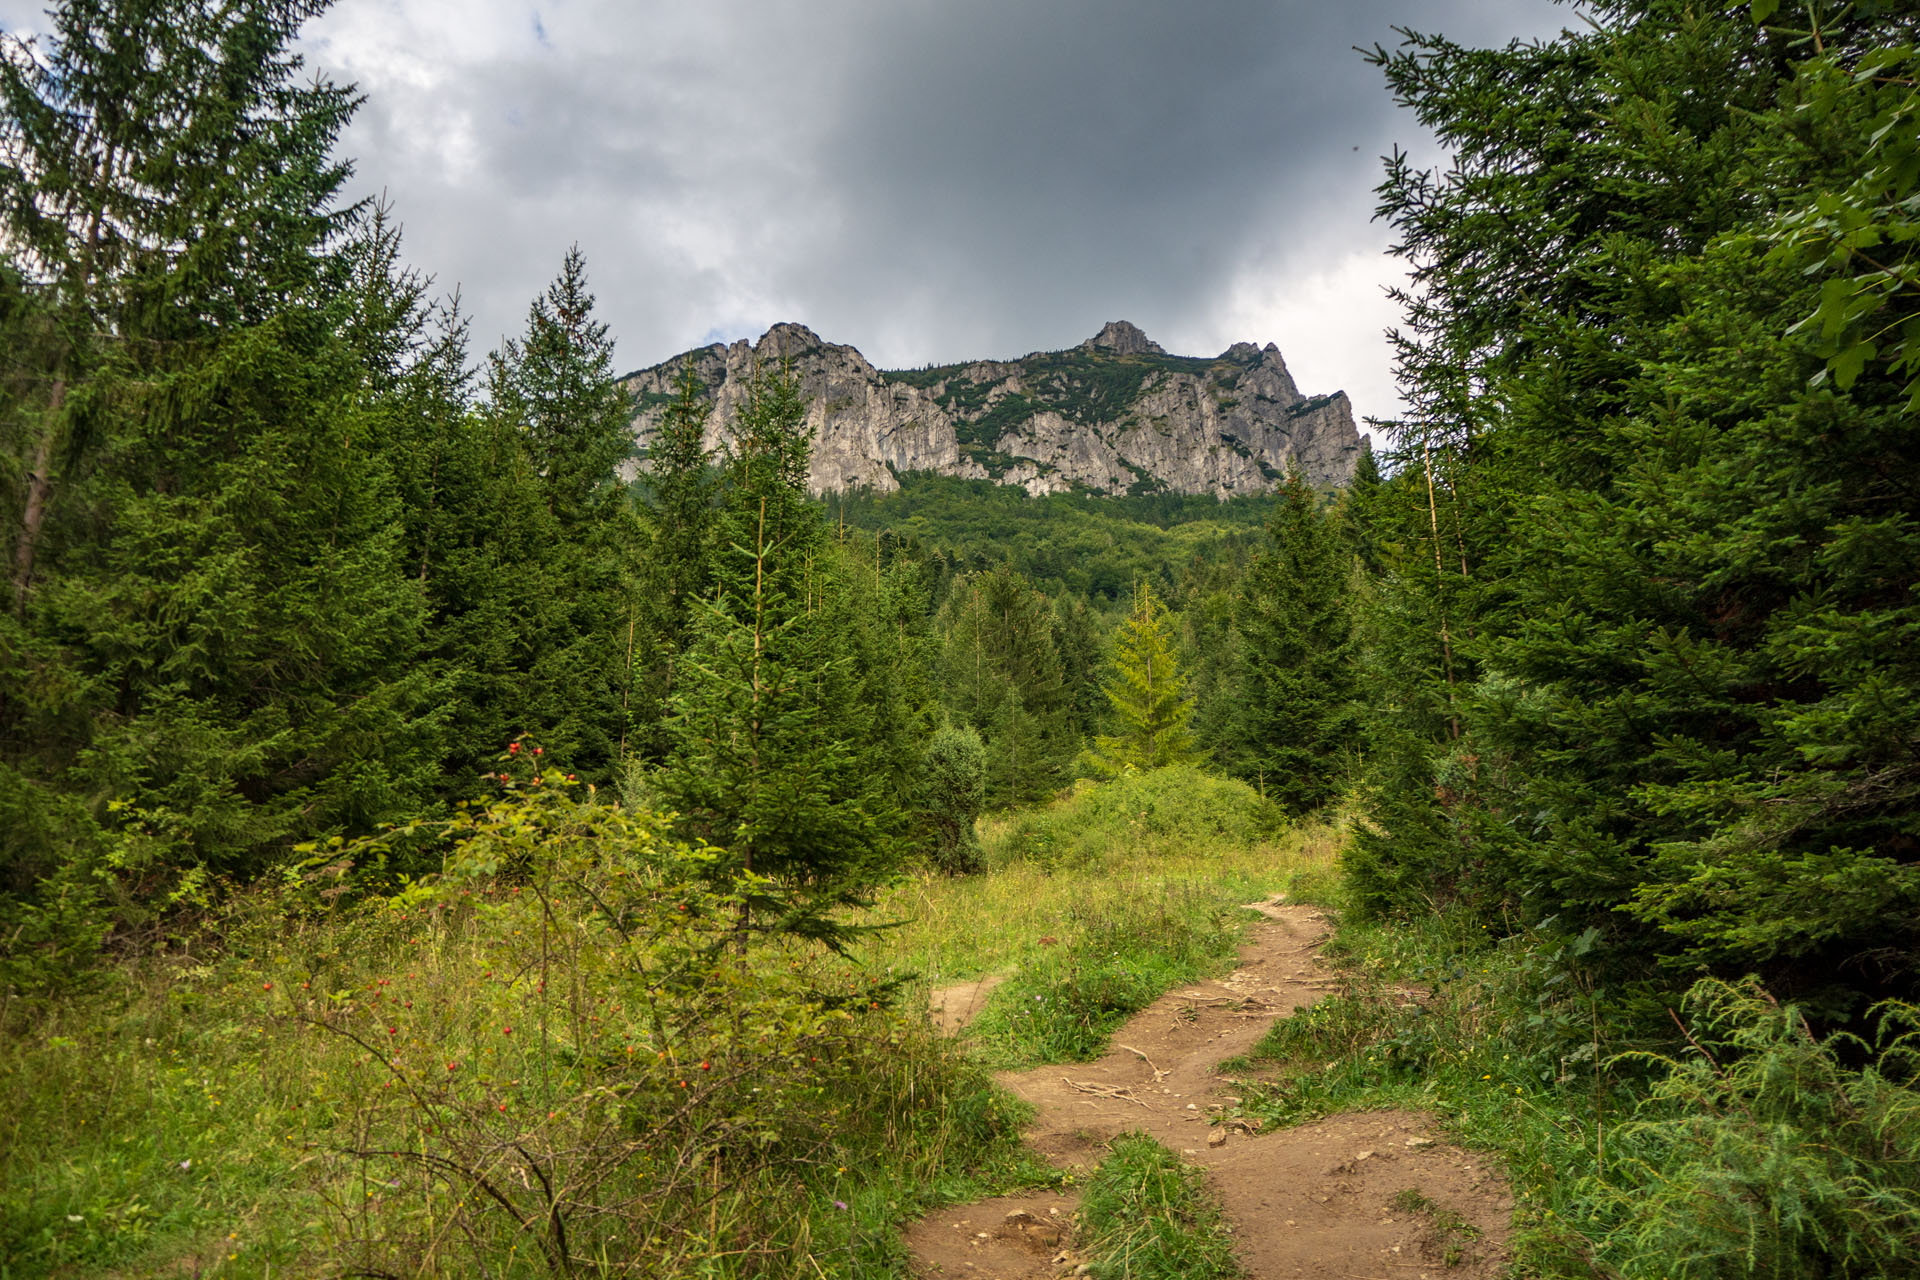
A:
(1116, 414)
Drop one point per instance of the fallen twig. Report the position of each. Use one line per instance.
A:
(1103, 1091)
(1158, 1074)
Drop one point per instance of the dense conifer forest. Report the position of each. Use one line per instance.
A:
(345, 669)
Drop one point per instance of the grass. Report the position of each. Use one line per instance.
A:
(1750, 1148)
(1095, 905)
(1096, 853)
(1147, 1215)
(1453, 1234)
(427, 1084)
(540, 1064)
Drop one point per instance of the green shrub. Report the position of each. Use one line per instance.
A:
(1763, 1152)
(955, 790)
(1177, 809)
(554, 1057)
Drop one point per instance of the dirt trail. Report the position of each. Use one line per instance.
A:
(1318, 1200)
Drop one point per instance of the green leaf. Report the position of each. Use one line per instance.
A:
(1848, 364)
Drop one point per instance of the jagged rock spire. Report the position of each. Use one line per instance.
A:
(1123, 339)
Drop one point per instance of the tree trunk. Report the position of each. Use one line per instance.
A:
(39, 486)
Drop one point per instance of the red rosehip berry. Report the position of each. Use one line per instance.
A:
(706, 1066)
(266, 986)
(538, 750)
(513, 748)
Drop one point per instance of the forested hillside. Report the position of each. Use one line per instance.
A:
(425, 852)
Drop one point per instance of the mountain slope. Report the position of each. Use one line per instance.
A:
(1116, 414)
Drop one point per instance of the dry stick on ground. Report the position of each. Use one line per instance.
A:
(1158, 1074)
(1103, 1091)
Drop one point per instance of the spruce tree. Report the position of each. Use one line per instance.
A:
(681, 488)
(1661, 553)
(210, 625)
(1003, 678)
(556, 384)
(554, 393)
(1146, 693)
(1295, 722)
(1361, 518)
(1078, 639)
(765, 760)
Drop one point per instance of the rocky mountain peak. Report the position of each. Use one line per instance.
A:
(1123, 339)
(788, 340)
(1049, 422)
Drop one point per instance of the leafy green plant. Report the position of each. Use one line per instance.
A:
(1143, 815)
(552, 1057)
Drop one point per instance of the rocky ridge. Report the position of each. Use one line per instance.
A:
(1116, 414)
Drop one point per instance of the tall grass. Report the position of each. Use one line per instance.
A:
(1090, 855)
(1147, 1215)
(1096, 904)
(553, 1060)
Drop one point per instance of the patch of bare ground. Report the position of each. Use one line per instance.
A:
(1006, 1238)
(1358, 1195)
(955, 1006)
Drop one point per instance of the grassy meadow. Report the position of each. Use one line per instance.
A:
(554, 1056)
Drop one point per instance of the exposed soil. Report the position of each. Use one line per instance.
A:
(954, 1007)
(1327, 1199)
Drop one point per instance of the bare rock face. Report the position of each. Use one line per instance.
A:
(1116, 414)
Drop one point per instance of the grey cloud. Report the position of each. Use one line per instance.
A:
(926, 181)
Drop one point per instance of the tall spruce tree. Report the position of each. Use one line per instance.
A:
(766, 761)
(1003, 678)
(1662, 560)
(1295, 723)
(681, 488)
(211, 638)
(1146, 693)
(553, 390)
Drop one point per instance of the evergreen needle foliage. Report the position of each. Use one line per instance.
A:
(1147, 694)
(1642, 653)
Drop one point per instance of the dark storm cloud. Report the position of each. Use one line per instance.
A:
(928, 181)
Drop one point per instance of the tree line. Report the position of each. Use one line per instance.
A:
(1616, 639)
(286, 562)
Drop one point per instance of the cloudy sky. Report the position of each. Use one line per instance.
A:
(929, 180)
